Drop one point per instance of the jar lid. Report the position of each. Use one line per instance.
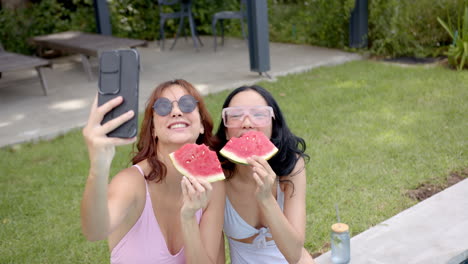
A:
(340, 228)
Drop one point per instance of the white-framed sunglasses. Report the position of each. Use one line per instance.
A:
(260, 116)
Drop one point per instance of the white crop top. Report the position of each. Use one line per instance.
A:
(237, 228)
(260, 251)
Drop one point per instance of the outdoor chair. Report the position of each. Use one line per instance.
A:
(185, 11)
(222, 15)
(10, 61)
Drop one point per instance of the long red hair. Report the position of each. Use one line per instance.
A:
(146, 145)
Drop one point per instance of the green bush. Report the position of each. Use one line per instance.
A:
(320, 22)
(134, 18)
(48, 16)
(396, 28)
(407, 28)
(458, 51)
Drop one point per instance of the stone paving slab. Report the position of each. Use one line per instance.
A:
(434, 231)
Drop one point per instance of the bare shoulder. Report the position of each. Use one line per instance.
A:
(218, 194)
(215, 207)
(300, 166)
(219, 187)
(296, 179)
(128, 182)
(128, 175)
(298, 172)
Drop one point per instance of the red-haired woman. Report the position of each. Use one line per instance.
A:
(150, 213)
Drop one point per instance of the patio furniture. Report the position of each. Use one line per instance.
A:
(84, 44)
(222, 15)
(13, 61)
(184, 12)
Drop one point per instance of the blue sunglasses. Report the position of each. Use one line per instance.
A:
(186, 103)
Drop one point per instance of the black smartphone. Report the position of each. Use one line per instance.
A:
(119, 73)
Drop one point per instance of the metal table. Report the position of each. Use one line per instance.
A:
(186, 11)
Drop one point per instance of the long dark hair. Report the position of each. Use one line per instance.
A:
(290, 147)
(147, 143)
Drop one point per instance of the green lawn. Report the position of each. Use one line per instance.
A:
(373, 131)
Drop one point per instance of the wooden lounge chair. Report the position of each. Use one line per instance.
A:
(85, 44)
(13, 61)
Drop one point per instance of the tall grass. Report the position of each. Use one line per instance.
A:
(373, 131)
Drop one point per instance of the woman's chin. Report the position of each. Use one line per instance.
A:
(182, 139)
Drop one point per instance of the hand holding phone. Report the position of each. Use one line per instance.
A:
(119, 76)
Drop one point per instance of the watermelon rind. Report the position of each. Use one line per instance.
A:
(236, 159)
(233, 157)
(213, 178)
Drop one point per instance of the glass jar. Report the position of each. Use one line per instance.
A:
(340, 244)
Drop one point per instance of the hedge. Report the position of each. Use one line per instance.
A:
(396, 28)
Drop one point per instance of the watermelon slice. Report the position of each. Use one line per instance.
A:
(194, 160)
(251, 143)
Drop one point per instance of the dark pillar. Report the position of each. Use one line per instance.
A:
(101, 12)
(259, 49)
(358, 25)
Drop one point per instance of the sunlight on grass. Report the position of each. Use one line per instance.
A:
(391, 137)
(372, 131)
(350, 84)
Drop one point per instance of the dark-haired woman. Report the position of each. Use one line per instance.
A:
(149, 212)
(265, 216)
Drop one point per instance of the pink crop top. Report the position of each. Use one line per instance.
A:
(144, 243)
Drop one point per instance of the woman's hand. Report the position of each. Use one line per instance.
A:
(196, 194)
(263, 175)
(101, 148)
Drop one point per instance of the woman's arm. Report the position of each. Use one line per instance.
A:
(98, 214)
(306, 258)
(287, 227)
(202, 241)
(222, 251)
